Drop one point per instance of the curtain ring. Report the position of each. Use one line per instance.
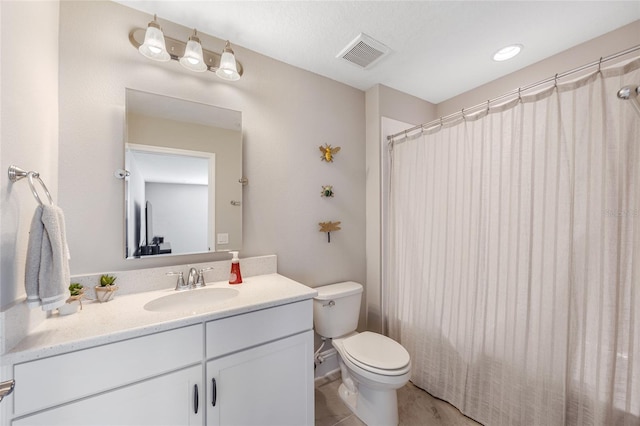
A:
(555, 81)
(600, 64)
(464, 118)
(488, 100)
(519, 94)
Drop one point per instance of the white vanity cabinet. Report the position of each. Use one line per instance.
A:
(251, 368)
(260, 370)
(262, 386)
(173, 399)
(149, 380)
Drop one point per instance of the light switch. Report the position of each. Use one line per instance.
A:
(223, 238)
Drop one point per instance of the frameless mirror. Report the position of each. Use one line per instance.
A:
(183, 191)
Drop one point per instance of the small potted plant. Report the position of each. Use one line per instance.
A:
(76, 291)
(106, 289)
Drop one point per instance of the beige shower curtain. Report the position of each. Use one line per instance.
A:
(514, 273)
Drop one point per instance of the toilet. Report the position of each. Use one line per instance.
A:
(373, 366)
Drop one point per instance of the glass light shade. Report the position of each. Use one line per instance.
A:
(193, 58)
(228, 69)
(153, 46)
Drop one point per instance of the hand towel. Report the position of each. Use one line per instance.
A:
(32, 267)
(47, 269)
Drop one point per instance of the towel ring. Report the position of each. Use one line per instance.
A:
(16, 173)
(32, 175)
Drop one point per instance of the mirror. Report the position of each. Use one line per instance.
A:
(183, 190)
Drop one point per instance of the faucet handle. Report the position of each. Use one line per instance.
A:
(200, 281)
(180, 285)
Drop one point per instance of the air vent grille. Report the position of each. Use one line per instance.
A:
(364, 51)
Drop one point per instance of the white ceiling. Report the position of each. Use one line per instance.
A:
(439, 49)
(157, 167)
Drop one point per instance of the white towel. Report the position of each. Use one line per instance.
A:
(47, 266)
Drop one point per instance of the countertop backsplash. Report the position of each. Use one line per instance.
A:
(141, 280)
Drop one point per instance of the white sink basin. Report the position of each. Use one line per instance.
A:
(191, 300)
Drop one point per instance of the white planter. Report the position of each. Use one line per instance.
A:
(104, 294)
(69, 308)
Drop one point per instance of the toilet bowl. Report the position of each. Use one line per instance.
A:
(369, 382)
(373, 366)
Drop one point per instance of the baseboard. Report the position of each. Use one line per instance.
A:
(329, 367)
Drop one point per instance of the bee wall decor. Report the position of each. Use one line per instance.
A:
(328, 152)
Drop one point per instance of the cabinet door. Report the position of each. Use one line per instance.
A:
(166, 400)
(271, 384)
(81, 374)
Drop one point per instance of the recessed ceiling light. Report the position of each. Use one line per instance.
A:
(507, 52)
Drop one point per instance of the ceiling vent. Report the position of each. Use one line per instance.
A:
(364, 51)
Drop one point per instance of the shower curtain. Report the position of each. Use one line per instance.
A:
(514, 266)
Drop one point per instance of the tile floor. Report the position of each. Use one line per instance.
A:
(415, 407)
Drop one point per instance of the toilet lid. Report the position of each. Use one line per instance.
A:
(377, 351)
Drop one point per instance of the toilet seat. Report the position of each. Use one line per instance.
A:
(377, 354)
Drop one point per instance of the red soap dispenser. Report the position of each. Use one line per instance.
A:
(235, 277)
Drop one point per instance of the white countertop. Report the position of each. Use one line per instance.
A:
(124, 317)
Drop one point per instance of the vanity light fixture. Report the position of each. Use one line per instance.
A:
(192, 58)
(507, 52)
(153, 44)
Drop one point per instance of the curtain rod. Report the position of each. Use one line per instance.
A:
(599, 62)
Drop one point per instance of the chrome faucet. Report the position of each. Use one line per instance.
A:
(193, 276)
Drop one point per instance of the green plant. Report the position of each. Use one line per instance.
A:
(75, 289)
(107, 280)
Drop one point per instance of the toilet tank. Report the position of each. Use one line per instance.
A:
(336, 309)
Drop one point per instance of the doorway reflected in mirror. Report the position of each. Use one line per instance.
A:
(185, 168)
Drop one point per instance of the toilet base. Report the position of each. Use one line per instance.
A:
(373, 406)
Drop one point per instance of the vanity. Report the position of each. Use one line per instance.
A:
(241, 360)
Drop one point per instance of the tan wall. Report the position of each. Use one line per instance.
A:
(28, 136)
(287, 114)
(381, 102)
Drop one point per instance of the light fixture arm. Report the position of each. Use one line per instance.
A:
(176, 49)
